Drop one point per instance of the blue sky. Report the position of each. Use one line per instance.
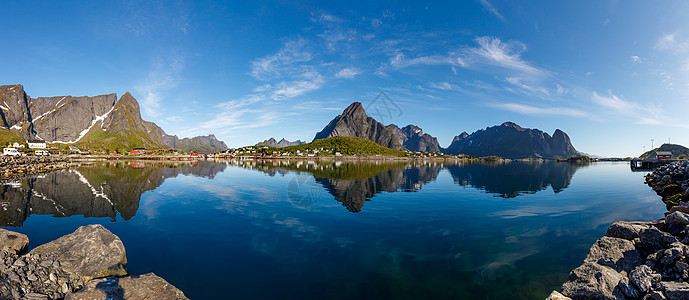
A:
(611, 74)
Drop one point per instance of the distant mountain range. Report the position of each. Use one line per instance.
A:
(101, 122)
(512, 141)
(508, 140)
(271, 142)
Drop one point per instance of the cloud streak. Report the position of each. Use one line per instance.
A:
(492, 9)
(163, 76)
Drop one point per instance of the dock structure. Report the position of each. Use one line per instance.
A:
(648, 164)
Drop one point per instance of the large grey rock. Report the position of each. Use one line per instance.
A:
(414, 139)
(616, 253)
(13, 242)
(656, 239)
(147, 286)
(628, 288)
(676, 290)
(555, 295)
(644, 278)
(90, 252)
(678, 217)
(626, 230)
(593, 281)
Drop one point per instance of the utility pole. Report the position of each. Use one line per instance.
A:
(644, 149)
(668, 140)
(652, 144)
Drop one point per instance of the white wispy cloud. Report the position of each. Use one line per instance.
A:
(291, 89)
(348, 73)
(492, 9)
(636, 59)
(518, 82)
(534, 110)
(164, 75)
(672, 43)
(619, 106)
(493, 51)
(284, 61)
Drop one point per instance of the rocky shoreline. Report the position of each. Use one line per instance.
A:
(640, 260)
(16, 167)
(90, 263)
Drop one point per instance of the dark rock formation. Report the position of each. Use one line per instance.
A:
(77, 266)
(354, 122)
(671, 182)
(99, 122)
(271, 142)
(413, 138)
(509, 140)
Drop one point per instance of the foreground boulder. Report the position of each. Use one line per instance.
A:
(147, 286)
(86, 264)
(90, 252)
(13, 242)
(636, 260)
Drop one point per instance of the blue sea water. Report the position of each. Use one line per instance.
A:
(340, 230)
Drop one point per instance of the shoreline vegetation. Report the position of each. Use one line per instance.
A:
(641, 260)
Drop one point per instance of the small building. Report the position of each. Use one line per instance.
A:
(18, 145)
(138, 151)
(74, 149)
(37, 144)
(660, 155)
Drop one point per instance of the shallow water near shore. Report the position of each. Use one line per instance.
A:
(314, 230)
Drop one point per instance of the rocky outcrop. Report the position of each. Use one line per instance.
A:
(671, 182)
(509, 140)
(13, 242)
(81, 265)
(147, 286)
(413, 138)
(90, 252)
(271, 142)
(636, 260)
(354, 122)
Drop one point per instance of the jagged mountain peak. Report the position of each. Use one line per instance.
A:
(510, 140)
(354, 122)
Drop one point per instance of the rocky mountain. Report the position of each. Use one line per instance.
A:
(101, 122)
(271, 142)
(509, 140)
(354, 122)
(677, 151)
(202, 144)
(413, 138)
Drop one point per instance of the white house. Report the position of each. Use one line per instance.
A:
(37, 144)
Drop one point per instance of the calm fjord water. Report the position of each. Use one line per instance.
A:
(306, 230)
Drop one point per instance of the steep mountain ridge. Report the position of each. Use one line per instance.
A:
(102, 122)
(354, 122)
(414, 139)
(271, 142)
(509, 140)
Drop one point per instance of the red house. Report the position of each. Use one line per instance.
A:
(663, 155)
(138, 151)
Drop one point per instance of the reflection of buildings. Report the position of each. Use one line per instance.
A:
(91, 191)
(512, 179)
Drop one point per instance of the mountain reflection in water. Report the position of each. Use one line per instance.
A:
(103, 190)
(353, 184)
(96, 190)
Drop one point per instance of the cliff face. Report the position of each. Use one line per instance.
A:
(354, 122)
(101, 122)
(509, 140)
(413, 138)
(271, 142)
